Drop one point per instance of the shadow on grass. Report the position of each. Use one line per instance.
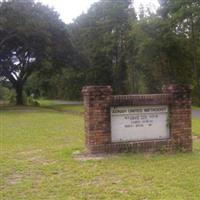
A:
(70, 109)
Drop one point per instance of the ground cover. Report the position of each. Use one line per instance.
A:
(196, 127)
(62, 106)
(37, 147)
(196, 108)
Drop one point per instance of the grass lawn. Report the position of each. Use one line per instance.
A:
(37, 163)
(195, 107)
(74, 109)
(196, 127)
(196, 124)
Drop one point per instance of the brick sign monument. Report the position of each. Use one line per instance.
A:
(137, 123)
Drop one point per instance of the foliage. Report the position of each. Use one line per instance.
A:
(65, 84)
(153, 50)
(31, 101)
(32, 35)
(5, 93)
(109, 45)
(184, 18)
(101, 35)
(162, 56)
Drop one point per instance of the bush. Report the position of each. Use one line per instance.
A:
(195, 101)
(31, 101)
(195, 95)
(7, 95)
(4, 93)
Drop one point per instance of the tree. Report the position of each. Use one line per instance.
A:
(163, 55)
(101, 35)
(31, 36)
(184, 18)
(162, 50)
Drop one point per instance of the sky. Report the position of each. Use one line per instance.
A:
(70, 9)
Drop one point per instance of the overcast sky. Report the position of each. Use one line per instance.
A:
(70, 9)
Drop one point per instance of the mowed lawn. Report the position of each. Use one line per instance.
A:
(37, 146)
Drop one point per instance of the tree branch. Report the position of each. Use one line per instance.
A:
(9, 76)
(2, 41)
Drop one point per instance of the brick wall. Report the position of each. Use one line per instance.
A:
(180, 116)
(99, 99)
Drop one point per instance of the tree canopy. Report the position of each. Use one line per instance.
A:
(31, 37)
(140, 54)
(101, 35)
(110, 44)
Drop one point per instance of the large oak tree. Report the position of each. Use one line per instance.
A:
(31, 37)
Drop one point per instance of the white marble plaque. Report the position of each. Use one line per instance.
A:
(135, 123)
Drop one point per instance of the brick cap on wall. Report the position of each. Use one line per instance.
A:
(89, 90)
(171, 88)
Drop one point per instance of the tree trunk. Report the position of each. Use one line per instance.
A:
(19, 95)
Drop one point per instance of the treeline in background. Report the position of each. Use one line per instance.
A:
(134, 53)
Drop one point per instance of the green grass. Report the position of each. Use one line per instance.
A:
(196, 127)
(65, 108)
(37, 163)
(196, 124)
(195, 107)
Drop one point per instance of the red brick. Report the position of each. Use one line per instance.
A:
(99, 99)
